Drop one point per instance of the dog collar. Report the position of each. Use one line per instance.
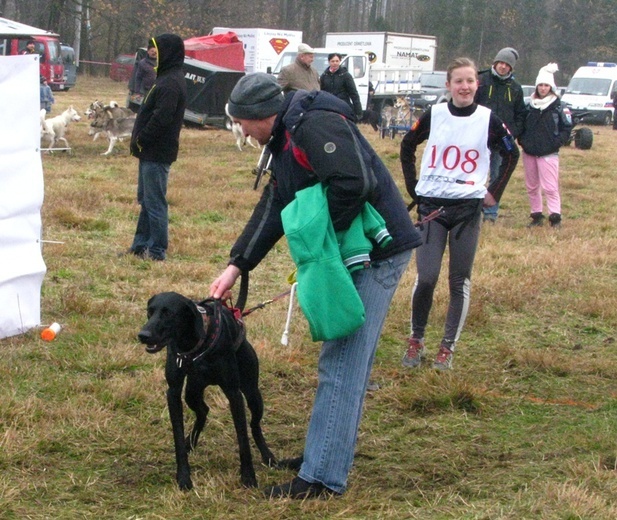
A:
(212, 323)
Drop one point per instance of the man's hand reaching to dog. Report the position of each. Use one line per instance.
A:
(220, 288)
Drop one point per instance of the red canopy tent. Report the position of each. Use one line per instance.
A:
(224, 50)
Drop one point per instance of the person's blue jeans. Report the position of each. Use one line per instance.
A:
(492, 211)
(344, 369)
(152, 225)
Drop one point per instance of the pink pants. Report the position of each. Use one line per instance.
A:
(542, 175)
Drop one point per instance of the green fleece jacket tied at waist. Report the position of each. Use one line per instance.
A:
(324, 259)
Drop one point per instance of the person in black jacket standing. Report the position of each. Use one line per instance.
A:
(155, 142)
(339, 82)
(547, 128)
(499, 91)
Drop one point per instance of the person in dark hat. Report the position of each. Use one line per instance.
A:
(315, 144)
(30, 48)
(145, 75)
(499, 91)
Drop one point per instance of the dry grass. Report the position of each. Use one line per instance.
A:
(524, 427)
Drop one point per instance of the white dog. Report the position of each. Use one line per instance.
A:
(55, 127)
(241, 139)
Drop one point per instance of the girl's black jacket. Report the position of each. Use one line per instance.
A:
(545, 131)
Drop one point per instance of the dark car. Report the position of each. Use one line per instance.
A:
(432, 89)
(122, 67)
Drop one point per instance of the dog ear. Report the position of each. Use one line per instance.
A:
(198, 320)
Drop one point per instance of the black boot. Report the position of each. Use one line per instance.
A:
(555, 220)
(299, 489)
(537, 219)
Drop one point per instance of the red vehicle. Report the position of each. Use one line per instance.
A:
(122, 67)
(48, 48)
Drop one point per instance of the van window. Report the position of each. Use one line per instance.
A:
(589, 86)
(285, 60)
(68, 56)
(356, 66)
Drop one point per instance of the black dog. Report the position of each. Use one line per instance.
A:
(206, 346)
(371, 117)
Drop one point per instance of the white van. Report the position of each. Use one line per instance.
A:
(591, 89)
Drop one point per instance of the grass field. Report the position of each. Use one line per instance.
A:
(523, 427)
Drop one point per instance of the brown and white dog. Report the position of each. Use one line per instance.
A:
(95, 113)
(113, 121)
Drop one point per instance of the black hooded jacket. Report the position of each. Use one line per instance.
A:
(156, 134)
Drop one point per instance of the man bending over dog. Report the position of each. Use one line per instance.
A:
(313, 140)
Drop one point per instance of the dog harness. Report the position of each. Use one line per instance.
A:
(210, 345)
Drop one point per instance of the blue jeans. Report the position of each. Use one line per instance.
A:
(344, 369)
(152, 225)
(494, 173)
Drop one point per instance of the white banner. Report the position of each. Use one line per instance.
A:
(21, 195)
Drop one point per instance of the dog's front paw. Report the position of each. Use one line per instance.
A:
(292, 464)
(249, 480)
(184, 482)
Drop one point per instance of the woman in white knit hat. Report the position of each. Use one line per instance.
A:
(547, 128)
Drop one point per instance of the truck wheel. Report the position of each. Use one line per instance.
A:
(583, 138)
(607, 119)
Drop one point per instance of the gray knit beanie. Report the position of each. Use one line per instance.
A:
(507, 55)
(255, 96)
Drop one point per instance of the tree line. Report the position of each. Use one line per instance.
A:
(569, 32)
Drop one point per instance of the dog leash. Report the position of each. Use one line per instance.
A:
(266, 302)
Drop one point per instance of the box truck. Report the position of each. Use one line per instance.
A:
(590, 91)
(413, 51)
(263, 47)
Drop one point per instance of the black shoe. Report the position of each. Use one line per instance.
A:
(299, 489)
(130, 251)
(150, 256)
(537, 220)
(555, 220)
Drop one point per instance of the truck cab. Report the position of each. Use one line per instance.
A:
(356, 64)
(51, 65)
(590, 91)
